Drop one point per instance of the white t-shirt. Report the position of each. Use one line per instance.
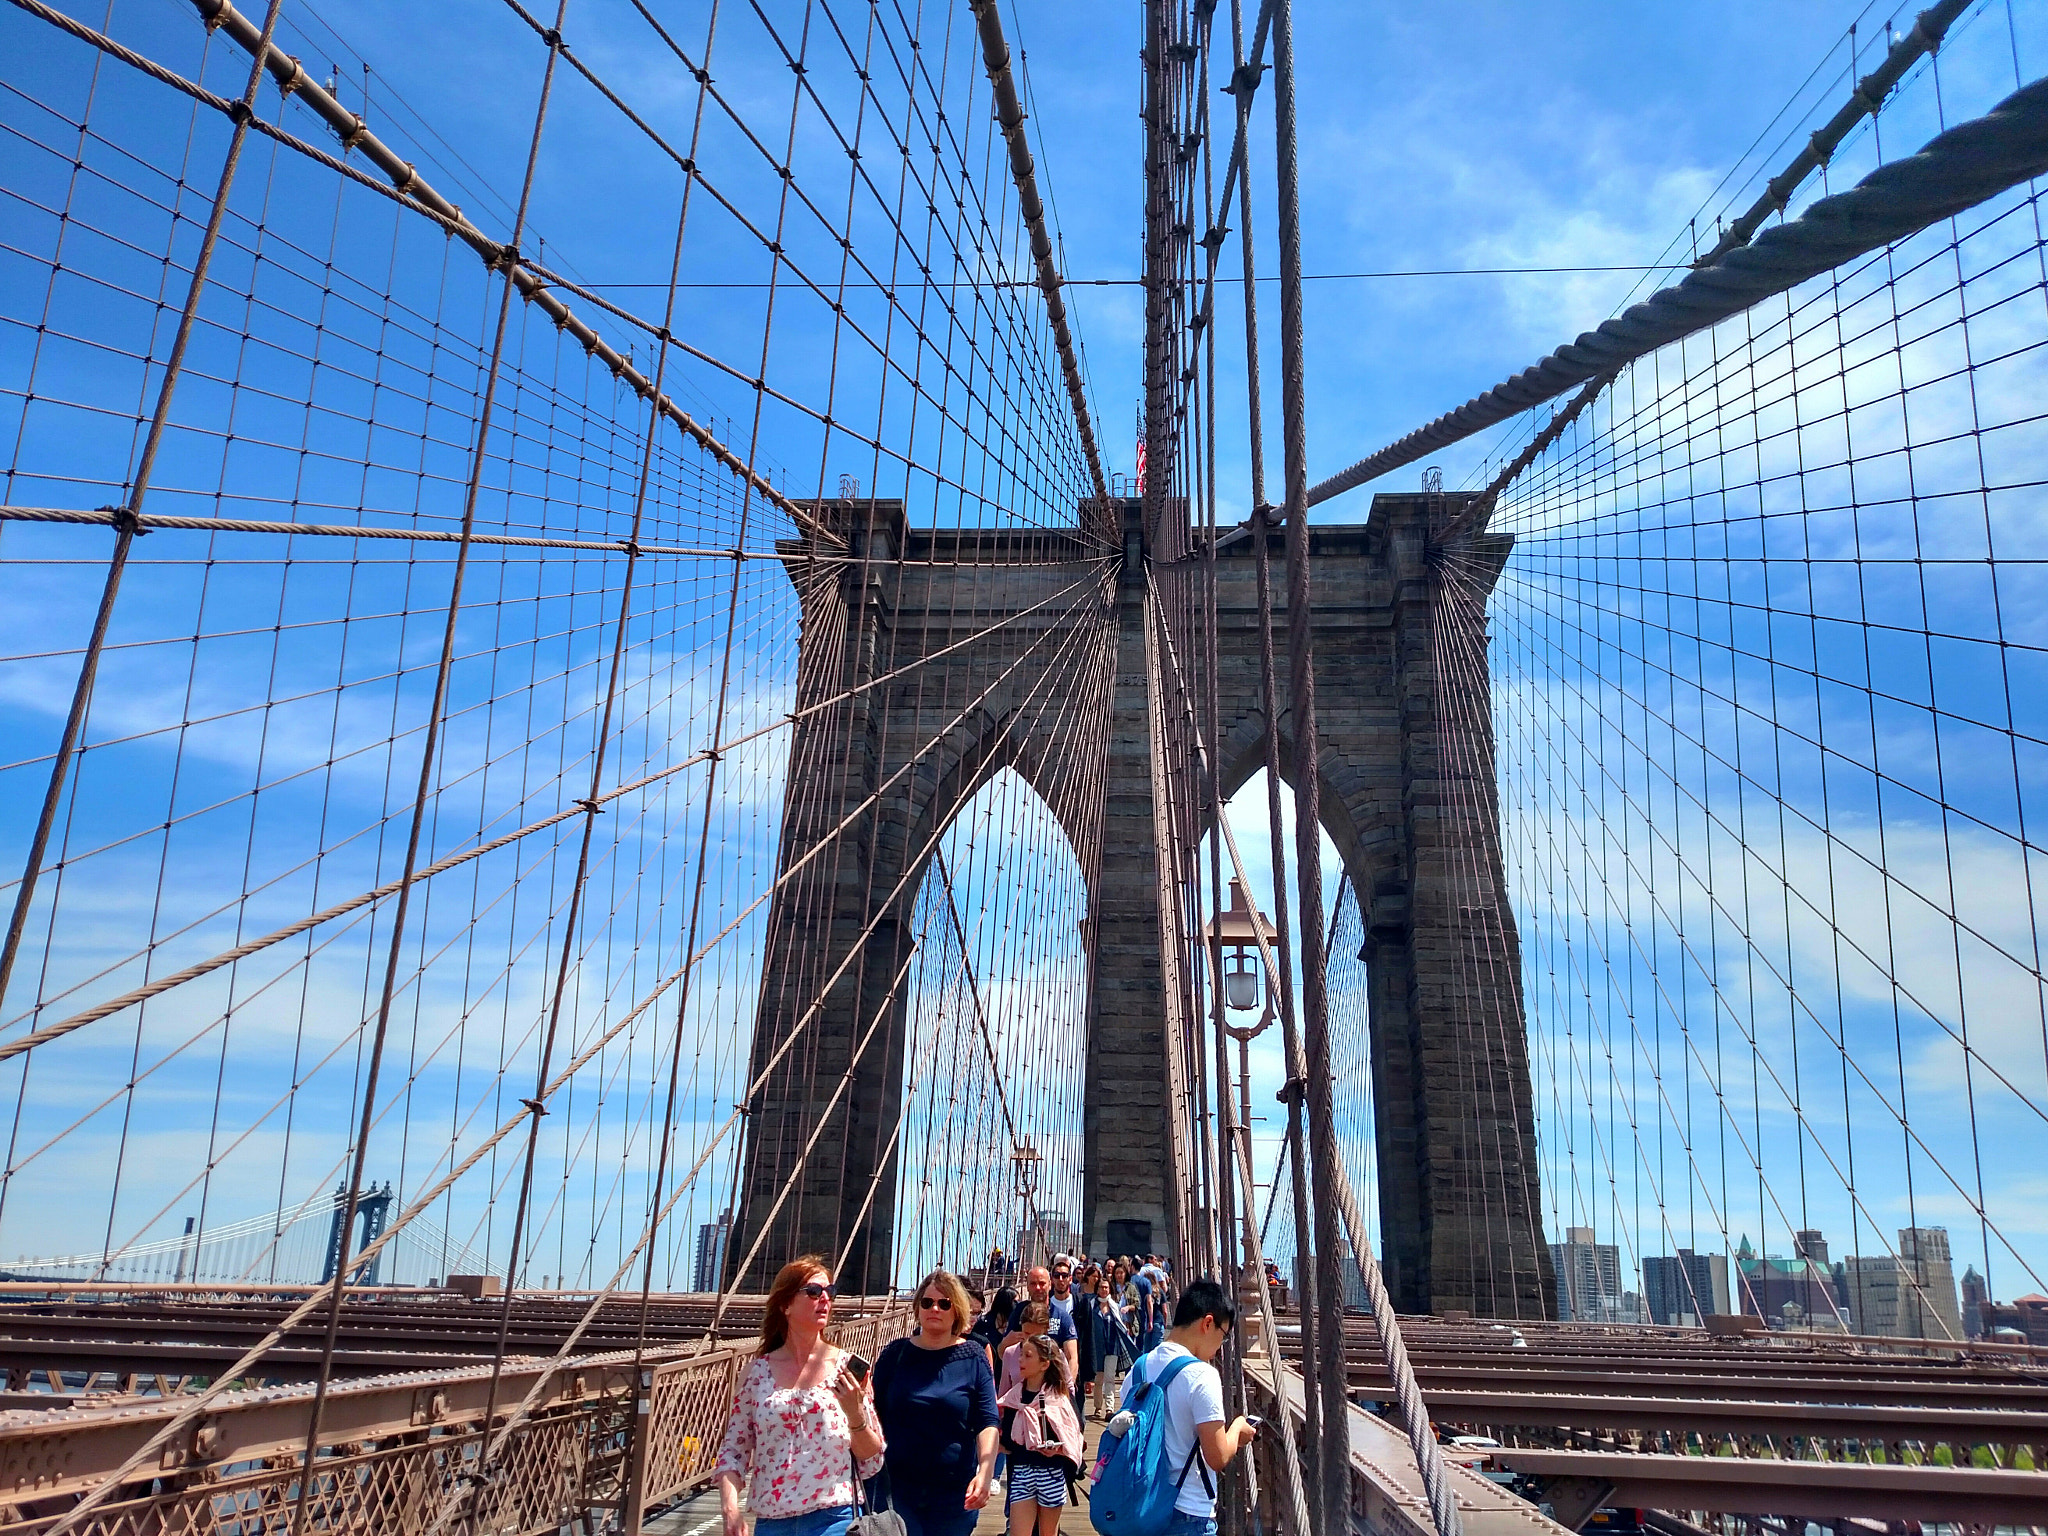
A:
(1193, 1397)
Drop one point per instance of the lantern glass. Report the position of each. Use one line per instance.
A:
(1241, 988)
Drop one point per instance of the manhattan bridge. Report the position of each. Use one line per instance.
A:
(536, 787)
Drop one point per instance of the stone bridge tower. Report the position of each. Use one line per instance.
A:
(1459, 1214)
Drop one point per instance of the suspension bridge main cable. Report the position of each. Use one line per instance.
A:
(1955, 170)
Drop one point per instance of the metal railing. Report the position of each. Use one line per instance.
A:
(399, 1453)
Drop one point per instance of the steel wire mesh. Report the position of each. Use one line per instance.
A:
(1763, 669)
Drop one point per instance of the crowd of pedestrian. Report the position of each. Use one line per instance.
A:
(987, 1396)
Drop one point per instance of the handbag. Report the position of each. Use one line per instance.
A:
(868, 1521)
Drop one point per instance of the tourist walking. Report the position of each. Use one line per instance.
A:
(936, 1399)
(1114, 1346)
(1146, 1316)
(1034, 1320)
(1081, 1286)
(1197, 1436)
(1038, 1282)
(992, 1328)
(1062, 1296)
(801, 1419)
(1042, 1435)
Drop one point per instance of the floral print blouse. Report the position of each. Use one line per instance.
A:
(792, 1448)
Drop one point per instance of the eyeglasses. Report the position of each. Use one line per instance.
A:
(818, 1288)
(934, 1304)
(1061, 1274)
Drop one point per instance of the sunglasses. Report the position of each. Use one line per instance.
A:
(934, 1304)
(818, 1288)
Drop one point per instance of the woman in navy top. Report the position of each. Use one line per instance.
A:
(935, 1390)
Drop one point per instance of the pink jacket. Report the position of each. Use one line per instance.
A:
(1048, 1426)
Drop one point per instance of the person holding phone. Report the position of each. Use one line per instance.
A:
(801, 1419)
(1042, 1435)
(1199, 1438)
(937, 1401)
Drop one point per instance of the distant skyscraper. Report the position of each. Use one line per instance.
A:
(1051, 1233)
(1356, 1297)
(1912, 1296)
(1869, 1284)
(1930, 1306)
(1770, 1284)
(1588, 1277)
(711, 1241)
(1685, 1289)
(1976, 1296)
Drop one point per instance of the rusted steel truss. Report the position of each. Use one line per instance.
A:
(376, 1335)
(1673, 1420)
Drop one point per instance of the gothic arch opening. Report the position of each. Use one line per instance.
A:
(1247, 811)
(995, 1039)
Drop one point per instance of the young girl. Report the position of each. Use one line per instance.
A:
(1042, 1434)
(1034, 1320)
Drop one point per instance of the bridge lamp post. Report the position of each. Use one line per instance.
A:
(1027, 1158)
(1238, 973)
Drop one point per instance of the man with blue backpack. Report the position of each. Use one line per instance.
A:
(1156, 1474)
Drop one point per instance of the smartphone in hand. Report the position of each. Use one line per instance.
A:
(858, 1366)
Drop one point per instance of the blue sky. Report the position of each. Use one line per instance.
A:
(1462, 137)
(1467, 136)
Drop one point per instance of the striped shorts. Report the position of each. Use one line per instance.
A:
(1047, 1486)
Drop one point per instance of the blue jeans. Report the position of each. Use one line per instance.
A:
(1184, 1524)
(945, 1515)
(819, 1522)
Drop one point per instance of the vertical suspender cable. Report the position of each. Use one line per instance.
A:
(128, 518)
(1243, 82)
(1325, 1370)
(1335, 1200)
(436, 715)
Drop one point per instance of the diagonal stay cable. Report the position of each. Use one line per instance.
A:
(632, 548)
(1727, 1004)
(198, 1405)
(201, 968)
(293, 80)
(822, 994)
(1406, 1387)
(981, 1023)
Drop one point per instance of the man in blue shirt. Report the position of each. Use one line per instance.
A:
(1147, 1321)
(1062, 1297)
(1038, 1282)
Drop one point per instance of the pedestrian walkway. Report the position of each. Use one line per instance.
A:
(1073, 1519)
(698, 1515)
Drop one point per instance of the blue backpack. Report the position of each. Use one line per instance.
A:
(1135, 1490)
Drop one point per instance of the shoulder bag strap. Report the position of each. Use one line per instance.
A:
(860, 1493)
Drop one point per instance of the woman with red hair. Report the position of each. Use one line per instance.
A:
(800, 1419)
